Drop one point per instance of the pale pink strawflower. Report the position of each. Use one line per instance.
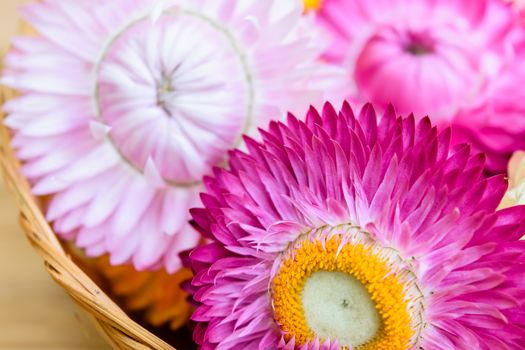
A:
(455, 61)
(126, 104)
(347, 232)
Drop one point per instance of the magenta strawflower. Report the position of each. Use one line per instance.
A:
(353, 233)
(458, 61)
(128, 103)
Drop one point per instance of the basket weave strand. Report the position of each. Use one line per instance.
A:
(115, 325)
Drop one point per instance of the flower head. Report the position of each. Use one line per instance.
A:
(353, 233)
(127, 104)
(456, 61)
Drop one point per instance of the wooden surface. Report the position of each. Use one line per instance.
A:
(34, 313)
(8, 19)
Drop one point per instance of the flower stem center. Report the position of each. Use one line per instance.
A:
(417, 49)
(337, 306)
(419, 44)
(165, 93)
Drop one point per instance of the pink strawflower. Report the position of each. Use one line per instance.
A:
(455, 60)
(353, 233)
(128, 103)
(519, 5)
(495, 122)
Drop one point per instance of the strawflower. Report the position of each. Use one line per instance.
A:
(460, 62)
(127, 104)
(346, 232)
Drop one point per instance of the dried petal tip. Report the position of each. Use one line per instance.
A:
(516, 177)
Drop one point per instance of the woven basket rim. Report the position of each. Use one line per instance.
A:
(119, 330)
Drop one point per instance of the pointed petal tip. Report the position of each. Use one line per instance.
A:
(99, 130)
(152, 174)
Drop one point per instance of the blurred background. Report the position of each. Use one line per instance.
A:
(34, 312)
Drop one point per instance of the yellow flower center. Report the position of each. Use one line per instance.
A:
(312, 5)
(344, 290)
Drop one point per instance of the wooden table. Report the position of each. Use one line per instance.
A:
(35, 314)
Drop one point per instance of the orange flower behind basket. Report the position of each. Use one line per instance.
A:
(156, 293)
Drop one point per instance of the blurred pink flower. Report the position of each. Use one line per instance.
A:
(127, 104)
(457, 61)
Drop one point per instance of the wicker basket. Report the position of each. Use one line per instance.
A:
(114, 324)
